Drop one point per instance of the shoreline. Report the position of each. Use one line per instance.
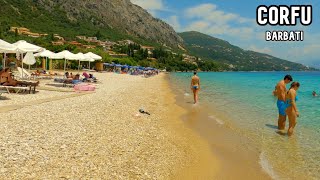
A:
(238, 160)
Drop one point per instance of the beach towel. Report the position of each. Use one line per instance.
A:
(84, 87)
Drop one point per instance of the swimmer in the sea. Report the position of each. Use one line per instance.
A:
(314, 94)
(195, 86)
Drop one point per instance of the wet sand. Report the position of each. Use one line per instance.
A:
(237, 157)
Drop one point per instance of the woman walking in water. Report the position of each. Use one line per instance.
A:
(195, 86)
(292, 111)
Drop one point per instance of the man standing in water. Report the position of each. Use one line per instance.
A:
(281, 94)
(195, 86)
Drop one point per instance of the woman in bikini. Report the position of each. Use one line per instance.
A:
(195, 86)
(292, 111)
(6, 79)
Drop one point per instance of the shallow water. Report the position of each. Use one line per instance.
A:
(244, 101)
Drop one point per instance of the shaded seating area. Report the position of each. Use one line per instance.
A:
(8, 83)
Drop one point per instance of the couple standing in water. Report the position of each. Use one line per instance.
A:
(287, 103)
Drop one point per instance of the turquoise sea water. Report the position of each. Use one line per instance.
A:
(245, 98)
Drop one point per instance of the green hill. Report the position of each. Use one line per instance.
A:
(107, 19)
(218, 50)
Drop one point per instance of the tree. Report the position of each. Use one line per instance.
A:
(98, 34)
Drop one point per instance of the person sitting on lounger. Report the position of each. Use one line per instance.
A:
(86, 76)
(37, 73)
(76, 79)
(6, 79)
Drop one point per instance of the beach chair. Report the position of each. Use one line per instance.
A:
(2, 91)
(31, 85)
(16, 89)
(23, 73)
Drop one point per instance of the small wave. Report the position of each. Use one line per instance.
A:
(219, 121)
(267, 167)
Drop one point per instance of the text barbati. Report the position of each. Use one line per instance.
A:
(284, 16)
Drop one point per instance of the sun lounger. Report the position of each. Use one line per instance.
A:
(3, 91)
(31, 85)
(23, 73)
(17, 89)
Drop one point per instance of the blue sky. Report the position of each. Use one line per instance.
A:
(235, 22)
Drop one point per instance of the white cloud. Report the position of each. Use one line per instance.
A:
(244, 32)
(210, 12)
(174, 22)
(207, 18)
(150, 5)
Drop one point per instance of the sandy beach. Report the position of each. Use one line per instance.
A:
(101, 135)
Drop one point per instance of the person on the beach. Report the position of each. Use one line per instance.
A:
(6, 79)
(314, 94)
(195, 86)
(281, 94)
(292, 111)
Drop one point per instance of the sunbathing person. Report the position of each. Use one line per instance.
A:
(6, 79)
(86, 76)
(37, 73)
(76, 79)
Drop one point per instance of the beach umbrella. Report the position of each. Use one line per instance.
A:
(93, 56)
(6, 47)
(46, 53)
(66, 55)
(29, 59)
(83, 57)
(25, 47)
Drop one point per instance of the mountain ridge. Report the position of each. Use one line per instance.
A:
(120, 17)
(212, 48)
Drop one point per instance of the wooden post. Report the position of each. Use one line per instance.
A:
(43, 63)
(50, 64)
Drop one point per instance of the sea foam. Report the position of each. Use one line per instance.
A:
(219, 121)
(266, 166)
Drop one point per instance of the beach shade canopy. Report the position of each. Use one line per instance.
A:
(149, 68)
(118, 65)
(6, 47)
(106, 64)
(93, 56)
(29, 59)
(64, 55)
(45, 53)
(24, 47)
(83, 57)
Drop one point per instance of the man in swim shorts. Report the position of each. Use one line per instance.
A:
(281, 94)
(195, 86)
